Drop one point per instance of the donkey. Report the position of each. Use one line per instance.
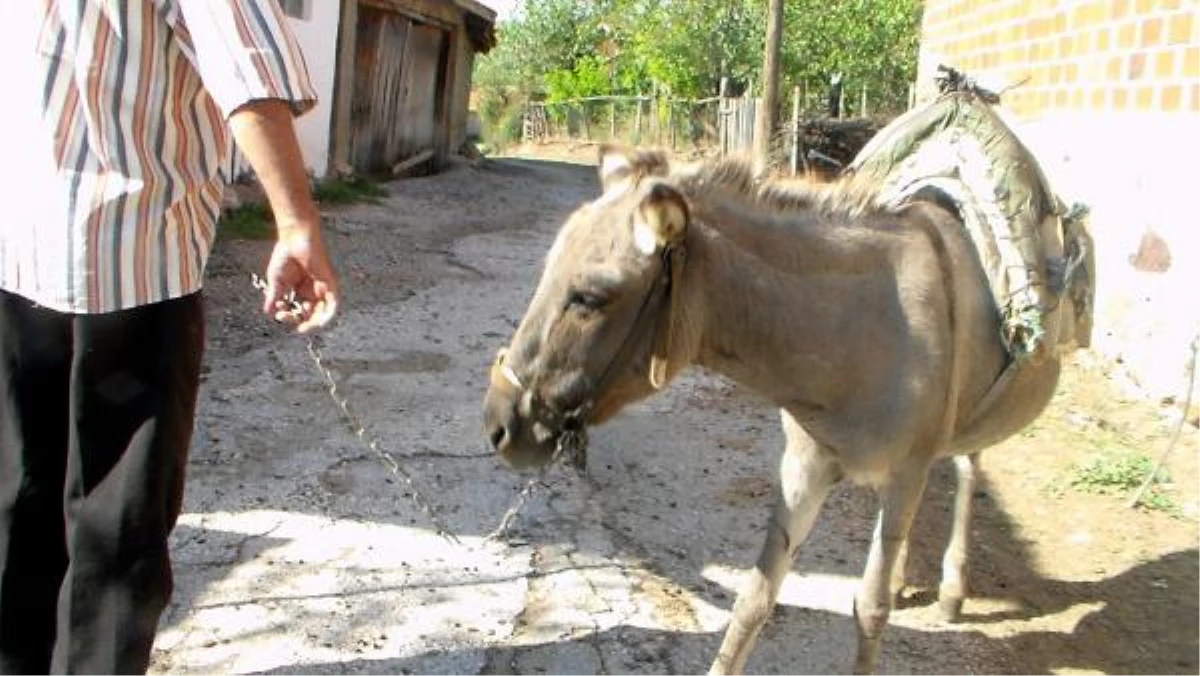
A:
(871, 327)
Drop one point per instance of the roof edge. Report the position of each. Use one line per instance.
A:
(478, 9)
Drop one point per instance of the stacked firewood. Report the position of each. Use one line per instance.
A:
(829, 145)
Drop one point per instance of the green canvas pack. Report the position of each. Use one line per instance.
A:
(958, 145)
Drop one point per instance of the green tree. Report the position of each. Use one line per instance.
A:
(688, 46)
(561, 49)
(681, 46)
(545, 36)
(870, 42)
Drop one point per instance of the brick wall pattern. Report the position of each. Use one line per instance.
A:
(1097, 55)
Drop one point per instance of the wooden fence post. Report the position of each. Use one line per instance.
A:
(671, 120)
(796, 140)
(723, 117)
(637, 125)
(654, 115)
(749, 114)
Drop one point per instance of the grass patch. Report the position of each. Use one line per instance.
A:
(255, 221)
(348, 190)
(249, 221)
(1121, 473)
(1159, 499)
(1111, 473)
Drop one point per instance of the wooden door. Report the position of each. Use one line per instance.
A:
(398, 105)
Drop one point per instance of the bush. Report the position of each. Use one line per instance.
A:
(501, 118)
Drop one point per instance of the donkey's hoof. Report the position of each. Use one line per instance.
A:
(722, 666)
(912, 597)
(950, 608)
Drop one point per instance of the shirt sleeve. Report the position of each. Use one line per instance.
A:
(245, 51)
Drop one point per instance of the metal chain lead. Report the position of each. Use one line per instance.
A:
(386, 458)
(360, 430)
(571, 445)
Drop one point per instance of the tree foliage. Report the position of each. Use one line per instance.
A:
(869, 42)
(558, 49)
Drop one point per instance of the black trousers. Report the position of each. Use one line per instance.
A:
(96, 417)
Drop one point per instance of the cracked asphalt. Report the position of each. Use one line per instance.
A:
(301, 551)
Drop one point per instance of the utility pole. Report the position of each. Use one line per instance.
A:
(765, 115)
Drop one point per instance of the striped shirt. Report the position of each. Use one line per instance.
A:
(114, 127)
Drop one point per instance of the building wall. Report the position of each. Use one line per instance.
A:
(461, 31)
(1111, 106)
(317, 33)
(316, 25)
(462, 64)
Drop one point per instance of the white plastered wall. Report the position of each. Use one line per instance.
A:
(317, 33)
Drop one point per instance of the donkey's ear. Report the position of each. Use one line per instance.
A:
(616, 165)
(620, 163)
(662, 219)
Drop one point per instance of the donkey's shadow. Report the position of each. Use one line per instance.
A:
(1145, 619)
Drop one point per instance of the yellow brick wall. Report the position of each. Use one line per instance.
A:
(1099, 55)
(1111, 109)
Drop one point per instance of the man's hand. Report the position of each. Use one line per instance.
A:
(299, 269)
(302, 288)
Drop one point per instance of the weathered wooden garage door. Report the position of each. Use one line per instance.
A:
(398, 105)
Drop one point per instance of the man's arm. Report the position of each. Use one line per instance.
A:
(300, 262)
(259, 95)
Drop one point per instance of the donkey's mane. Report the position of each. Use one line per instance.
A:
(736, 177)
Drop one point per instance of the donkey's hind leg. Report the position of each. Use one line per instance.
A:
(807, 474)
(873, 603)
(953, 588)
(899, 579)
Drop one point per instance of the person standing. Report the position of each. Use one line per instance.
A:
(834, 97)
(119, 117)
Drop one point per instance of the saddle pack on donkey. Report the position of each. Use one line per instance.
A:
(957, 150)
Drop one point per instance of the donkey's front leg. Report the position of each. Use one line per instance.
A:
(899, 500)
(954, 563)
(807, 474)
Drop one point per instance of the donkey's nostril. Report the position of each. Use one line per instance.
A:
(498, 436)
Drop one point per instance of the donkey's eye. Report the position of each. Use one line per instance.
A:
(586, 300)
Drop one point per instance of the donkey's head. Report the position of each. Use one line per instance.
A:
(597, 333)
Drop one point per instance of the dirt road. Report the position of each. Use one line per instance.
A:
(300, 552)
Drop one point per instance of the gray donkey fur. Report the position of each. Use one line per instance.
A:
(872, 327)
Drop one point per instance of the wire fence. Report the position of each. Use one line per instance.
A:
(639, 120)
(821, 135)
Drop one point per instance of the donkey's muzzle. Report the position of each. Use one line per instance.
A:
(509, 423)
(499, 406)
(498, 422)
